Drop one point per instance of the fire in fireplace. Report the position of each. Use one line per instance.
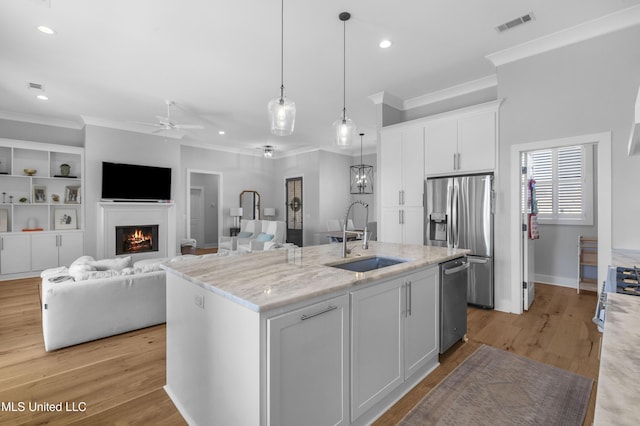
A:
(136, 239)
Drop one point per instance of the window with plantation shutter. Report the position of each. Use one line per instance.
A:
(564, 184)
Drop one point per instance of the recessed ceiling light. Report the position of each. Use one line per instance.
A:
(221, 132)
(384, 44)
(46, 30)
(43, 97)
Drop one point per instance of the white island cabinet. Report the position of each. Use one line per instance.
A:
(293, 341)
(394, 335)
(309, 365)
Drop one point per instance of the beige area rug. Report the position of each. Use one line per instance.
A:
(495, 387)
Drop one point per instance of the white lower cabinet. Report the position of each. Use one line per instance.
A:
(421, 322)
(394, 334)
(309, 364)
(55, 249)
(376, 344)
(14, 254)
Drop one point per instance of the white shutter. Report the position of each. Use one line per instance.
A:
(561, 185)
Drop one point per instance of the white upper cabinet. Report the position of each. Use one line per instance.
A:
(462, 141)
(401, 184)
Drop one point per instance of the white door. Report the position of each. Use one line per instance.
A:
(44, 251)
(70, 247)
(528, 248)
(197, 215)
(16, 254)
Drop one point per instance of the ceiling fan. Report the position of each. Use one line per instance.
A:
(165, 123)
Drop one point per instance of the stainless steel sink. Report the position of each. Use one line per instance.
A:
(369, 263)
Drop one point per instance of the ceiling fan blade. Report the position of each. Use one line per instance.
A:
(141, 123)
(188, 126)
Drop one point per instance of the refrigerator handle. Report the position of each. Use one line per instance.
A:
(450, 217)
(454, 213)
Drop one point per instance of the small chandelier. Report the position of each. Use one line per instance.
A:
(361, 176)
(268, 151)
(344, 127)
(282, 111)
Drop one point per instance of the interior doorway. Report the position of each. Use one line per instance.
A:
(602, 142)
(204, 207)
(293, 195)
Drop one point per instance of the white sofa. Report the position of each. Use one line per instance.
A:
(80, 304)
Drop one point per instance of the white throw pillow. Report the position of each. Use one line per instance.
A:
(117, 264)
(83, 260)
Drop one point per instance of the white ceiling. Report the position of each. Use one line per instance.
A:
(116, 61)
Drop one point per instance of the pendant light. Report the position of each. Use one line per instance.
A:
(344, 127)
(361, 176)
(282, 111)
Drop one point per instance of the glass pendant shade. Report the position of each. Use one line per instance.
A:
(282, 116)
(361, 179)
(345, 131)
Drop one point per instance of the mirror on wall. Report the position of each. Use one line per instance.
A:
(250, 204)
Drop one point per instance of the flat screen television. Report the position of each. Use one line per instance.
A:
(133, 182)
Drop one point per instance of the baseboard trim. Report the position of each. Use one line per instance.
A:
(557, 281)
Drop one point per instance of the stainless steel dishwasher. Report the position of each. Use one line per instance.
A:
(453, 302)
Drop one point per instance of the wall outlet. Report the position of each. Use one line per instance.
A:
(199, 300)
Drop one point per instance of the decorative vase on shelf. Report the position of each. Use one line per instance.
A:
(65, 169)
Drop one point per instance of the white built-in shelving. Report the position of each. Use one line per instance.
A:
(45, 202)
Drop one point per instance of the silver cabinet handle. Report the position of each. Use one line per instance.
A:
(454, 161)
(409, 296)
(459, 166)
(400, 197)
(1, 243)
(476, 260)
(324, 311)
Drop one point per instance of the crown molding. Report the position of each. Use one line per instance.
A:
(452, 92)
(433, 97)
(130, 127)
(388, 99)
(40, 119)
(612, 22)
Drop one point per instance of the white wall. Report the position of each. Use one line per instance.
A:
(24, 131)
(585, 88)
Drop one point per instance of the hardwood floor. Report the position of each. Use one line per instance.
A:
(120, 378)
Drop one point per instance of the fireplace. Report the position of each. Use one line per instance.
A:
(136, 239)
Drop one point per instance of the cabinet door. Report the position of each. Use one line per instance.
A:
(44, 251)
(477, 142)
(16, 254)
(421, 320)
(413, 225)
(441, 137)
(308, 365)
(390, 226)
(71, 247)
(390, 174)
(376, 344)
(412, 165)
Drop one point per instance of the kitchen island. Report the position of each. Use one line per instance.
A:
(282, 337)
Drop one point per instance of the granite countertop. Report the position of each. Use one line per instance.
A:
(617, 398)
(272, 279)
(625, 257)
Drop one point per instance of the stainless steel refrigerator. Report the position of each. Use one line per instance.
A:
(459, 214)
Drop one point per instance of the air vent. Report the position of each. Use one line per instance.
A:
(36, 86)
(515, 22)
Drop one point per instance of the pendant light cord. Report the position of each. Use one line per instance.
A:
(344, 70)
(281, 49)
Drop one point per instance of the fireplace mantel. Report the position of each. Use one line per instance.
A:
(112, 214)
